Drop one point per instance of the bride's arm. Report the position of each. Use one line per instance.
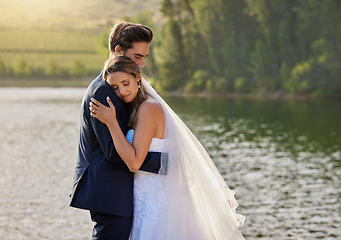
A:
(133, 155)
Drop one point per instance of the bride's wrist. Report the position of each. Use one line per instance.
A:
(112, 123)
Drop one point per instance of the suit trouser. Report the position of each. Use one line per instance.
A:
(110, 227)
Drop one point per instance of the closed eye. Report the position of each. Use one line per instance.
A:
(139, 56)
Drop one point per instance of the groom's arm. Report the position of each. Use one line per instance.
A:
(101, 130)
(152, 162)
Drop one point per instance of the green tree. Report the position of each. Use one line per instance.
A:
(260, 64)
(171, 69)
(52, 69)
(21, 67)
(200, 81)
(246, 45)
(78, 69)
(3, 69)
(170, 56)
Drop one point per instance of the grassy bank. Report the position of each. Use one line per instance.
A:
(41, 47)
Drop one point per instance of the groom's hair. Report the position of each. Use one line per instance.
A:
(126, 33)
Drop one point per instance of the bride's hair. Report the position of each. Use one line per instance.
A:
(125, 64)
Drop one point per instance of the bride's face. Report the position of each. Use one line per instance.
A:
(124, 85)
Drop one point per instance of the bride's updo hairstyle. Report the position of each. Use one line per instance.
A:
(125, 64)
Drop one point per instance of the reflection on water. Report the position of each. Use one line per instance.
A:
(282, 158)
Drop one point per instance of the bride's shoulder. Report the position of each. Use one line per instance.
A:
(151, 104)
(150, 108)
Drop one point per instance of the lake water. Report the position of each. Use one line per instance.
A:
(282, 158)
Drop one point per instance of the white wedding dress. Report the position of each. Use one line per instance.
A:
(192, 201)
(148, 196)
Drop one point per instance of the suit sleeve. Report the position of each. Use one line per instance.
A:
(152, 162)
(101, 130)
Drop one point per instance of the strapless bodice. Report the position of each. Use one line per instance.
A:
(157, 144)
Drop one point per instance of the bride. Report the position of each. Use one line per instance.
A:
(188, 199)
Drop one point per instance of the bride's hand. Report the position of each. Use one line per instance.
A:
(106, 115)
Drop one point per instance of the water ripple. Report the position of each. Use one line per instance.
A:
(286, 176)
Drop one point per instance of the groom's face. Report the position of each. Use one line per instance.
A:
(138, 52)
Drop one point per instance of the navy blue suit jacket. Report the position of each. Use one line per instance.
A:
(102, 181)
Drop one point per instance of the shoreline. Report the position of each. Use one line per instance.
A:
(46, 82)
(231, 95)
(85, 81)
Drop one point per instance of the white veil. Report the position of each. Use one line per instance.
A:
(198, 203)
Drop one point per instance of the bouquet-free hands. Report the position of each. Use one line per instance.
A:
(106, 115)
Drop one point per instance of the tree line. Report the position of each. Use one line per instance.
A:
(264, 46)
(231, 46)
(52, 69)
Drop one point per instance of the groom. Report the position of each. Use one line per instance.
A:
(102, 182)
